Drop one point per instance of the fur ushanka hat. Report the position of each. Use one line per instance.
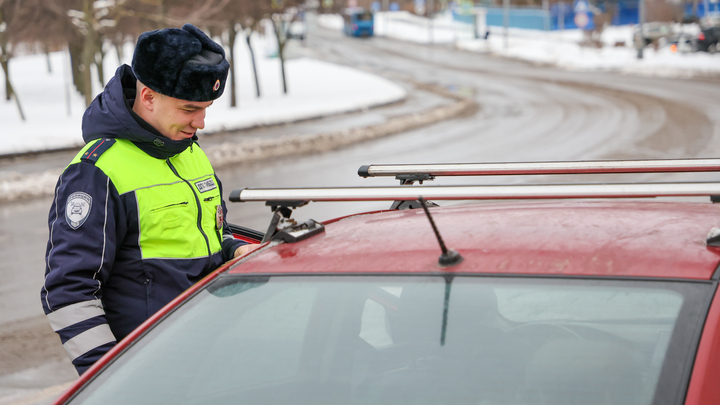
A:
(181, 63)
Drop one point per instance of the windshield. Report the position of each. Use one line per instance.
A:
(414, 340)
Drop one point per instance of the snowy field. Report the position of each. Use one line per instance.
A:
(53, 109)
(558, 48)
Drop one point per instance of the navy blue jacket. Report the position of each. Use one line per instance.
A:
(97, 286)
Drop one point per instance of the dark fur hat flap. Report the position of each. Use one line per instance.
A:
(206, 42)
(181, 63)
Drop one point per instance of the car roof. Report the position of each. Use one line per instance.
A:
(582, 238)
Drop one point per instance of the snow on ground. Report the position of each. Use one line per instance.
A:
(53, 109)
(559, 48)
(562, 49)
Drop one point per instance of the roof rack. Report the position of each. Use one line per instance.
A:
(283, 200)
(294, 197)
(420, 172)
(408, 173)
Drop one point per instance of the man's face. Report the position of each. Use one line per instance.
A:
(178, 119)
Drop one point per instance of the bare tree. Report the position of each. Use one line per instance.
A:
(227, 19)
(8, 10)
(89, 28)
(254, 13)
(282, 18)
(236, 17)
(251, 26)
(248, 14)
(233, 29)
(280, 25)
(86, 23)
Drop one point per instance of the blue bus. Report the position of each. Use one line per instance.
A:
(358, 22)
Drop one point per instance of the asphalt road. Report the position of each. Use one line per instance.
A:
(526, 113)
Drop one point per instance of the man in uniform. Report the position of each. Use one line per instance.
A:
(138, 215)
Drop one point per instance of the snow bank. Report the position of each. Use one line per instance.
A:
(558, 48)
(53, 109)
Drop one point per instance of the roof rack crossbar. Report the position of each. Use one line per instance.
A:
(486, 192)
(543, 168)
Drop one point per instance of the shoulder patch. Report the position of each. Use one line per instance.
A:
(98, 148)
(77, 208)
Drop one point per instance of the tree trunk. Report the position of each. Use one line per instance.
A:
(118, 44)
(99, 59)
(88, 56)
(5, 58)
(160, 12)
(75, 50)
(47, 56)
(281, 39)
(252, 58)
(9, 91)
(17, 102)
(8, 87)
(5, 62)
(282, 71)
(87, 61)
(231, 43)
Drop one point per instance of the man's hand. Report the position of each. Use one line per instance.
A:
(244, 249)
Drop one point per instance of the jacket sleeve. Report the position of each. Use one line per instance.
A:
(229, 243)
(83, 225)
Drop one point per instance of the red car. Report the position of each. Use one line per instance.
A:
(558, 302)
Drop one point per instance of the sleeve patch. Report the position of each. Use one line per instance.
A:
(77, 209)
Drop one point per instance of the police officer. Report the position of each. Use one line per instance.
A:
(138, 215)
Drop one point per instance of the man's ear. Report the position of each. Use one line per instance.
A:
(147, 97)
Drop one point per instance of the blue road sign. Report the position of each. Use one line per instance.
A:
(581, 6)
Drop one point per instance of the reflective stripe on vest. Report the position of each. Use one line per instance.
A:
(168, 193)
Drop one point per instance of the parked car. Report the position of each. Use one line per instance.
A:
(707, 40)
(559, 302)
(686, 43)
(652, 32)
(297, 30)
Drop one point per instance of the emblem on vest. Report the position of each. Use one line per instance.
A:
(206, 185)
(77, 209)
